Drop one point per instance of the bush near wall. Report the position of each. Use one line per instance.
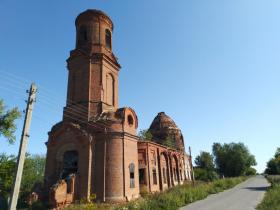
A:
(272, 197)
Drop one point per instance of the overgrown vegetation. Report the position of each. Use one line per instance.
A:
(170, 142)
(145, 135)
(33, 173)
(271, 200)
(171, 199)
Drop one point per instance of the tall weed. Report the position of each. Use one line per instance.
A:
(272, 197)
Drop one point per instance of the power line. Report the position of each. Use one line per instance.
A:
(17, 94)
(45, 101)
(25, 80)
(68, 112)
(43, 94)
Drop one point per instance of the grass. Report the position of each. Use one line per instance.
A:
(271, 199)
(180, 196)
(89, 206)
(170, 199)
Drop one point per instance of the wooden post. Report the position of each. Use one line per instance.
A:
(22, 149)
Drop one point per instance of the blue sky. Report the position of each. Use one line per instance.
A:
(211, 65)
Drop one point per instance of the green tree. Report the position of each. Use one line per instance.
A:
(33, 173)
(277, 153)
(205, 168)
(205, 160)
(145, 135)
(7, 172)
(273, 165)
(250, 171)
(7, 122)
(232, 159)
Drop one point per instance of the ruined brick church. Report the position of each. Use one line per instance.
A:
(95, 148)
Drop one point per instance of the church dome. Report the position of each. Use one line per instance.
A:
(166, 132)
(92, 14)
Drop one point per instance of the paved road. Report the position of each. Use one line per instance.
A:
(245, 196)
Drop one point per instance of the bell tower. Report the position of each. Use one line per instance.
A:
(92, 68)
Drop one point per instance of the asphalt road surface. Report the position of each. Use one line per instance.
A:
(245, 196)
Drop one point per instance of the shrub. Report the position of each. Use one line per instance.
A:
(274, 180)
(144, 191)
(38, 205)
(205, 175)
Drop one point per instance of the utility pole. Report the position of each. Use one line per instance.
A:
(22, 148)
(190, 151)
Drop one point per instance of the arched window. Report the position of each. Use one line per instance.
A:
(130, 120)
(110, 89)
(70, 163)
(108, 38)
(131, 175)
(83, 34)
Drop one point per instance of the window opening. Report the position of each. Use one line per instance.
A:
(108, 39)
(154, 176)
(130, 120)
(83, 34)
(70, 163)
(181, 178)
(131, 175)
(142, 176)
(164, 175)
(68, 182)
